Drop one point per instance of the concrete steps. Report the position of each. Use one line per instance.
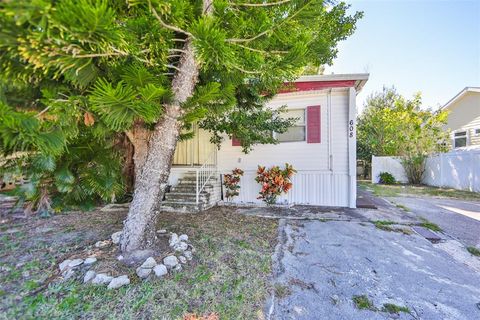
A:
(182, 197)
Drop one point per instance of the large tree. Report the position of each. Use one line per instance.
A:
(149, 69)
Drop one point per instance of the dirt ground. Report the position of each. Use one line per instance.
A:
(228, 276)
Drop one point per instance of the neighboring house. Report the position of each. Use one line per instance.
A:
(464, 118)
(321, 146)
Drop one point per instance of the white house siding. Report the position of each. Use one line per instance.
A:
(322, 177)
(465, 115)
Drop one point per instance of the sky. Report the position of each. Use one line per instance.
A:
(431, 46)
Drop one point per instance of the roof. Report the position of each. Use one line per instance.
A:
(318, 82)
(460, 95)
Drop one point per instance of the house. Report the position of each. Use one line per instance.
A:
(464, 118)
(321, 146)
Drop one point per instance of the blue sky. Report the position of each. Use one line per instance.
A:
(428, 46)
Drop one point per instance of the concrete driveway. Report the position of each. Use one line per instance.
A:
(327, 258)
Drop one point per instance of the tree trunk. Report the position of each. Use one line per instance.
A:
(139, 136)
(151, 180)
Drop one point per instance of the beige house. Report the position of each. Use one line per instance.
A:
(464, 118)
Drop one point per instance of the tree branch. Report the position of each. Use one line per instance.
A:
(165, 25)
(260, 51)
(38, 115)
(177, 50)
(173, 67)
(270, 29)
(245, 71)
(95, 55)
(268, 4)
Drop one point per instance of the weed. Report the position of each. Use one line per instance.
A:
(430, 225)
(474, 251)
(384, 225)
(401, 206)
(362, 302)
(393, 308)
(282, 291)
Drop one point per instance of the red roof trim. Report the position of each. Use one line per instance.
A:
(316, 85)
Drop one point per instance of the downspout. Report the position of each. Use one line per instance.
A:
(329, 121)
(352, 147)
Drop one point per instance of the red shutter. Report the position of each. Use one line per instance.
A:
(313, 124)
(236, 142)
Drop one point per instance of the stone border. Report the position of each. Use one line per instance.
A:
(78, 268)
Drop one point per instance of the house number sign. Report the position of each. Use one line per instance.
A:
(351, 128)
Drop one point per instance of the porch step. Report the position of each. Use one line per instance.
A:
(186, 197)
(182, 197)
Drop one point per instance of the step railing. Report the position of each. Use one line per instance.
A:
(205, 173)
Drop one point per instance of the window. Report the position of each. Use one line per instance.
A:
(297, 132)
(477, 132)
(460, 139)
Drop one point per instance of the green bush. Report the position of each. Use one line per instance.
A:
(386, 178)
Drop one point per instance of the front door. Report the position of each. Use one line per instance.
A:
(195, 151)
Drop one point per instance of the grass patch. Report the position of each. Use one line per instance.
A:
(387, 225)
(282, 291)
(229, 275)
(362, 302)
(398, 190)
(384, 225)
(430, 225)
(393, 308)
(401, 206)
(474, 251)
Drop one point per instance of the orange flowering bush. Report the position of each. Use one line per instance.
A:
(231, 181)
(274, 182)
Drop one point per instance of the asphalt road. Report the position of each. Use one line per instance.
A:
(323, 261)
(324, 264)
(458, 218)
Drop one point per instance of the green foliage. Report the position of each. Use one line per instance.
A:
(474, 251)
(249, 121)
(391, 125)
(363, 302)
(430, 225)
(87, 174)
(22, 131)
(386, 178)
(79, 73)
(393, 308)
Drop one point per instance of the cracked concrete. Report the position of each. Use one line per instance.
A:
(327, 256)
(325, 264)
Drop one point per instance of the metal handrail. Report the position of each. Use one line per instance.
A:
(205, 173)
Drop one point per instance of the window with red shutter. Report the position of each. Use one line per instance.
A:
(297, 132)
(236, 142)
(313, 124)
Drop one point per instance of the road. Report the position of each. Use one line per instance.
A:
(459, 219)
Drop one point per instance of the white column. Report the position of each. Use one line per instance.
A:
(352, 147)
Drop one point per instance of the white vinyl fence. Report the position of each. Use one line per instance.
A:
(458, 169)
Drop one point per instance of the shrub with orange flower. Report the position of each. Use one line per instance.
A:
(231, 182)
(274, 182)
